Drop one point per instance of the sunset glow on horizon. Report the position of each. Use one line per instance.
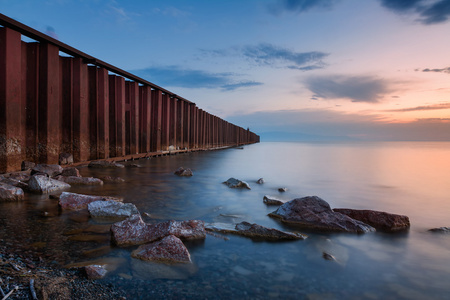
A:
(339, 69)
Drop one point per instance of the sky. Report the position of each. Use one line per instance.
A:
(287, 69)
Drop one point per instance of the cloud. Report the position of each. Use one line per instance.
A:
(268, 54)
(187, 78)
(429, 12)
(444, 70)
(421, 108)
(50, 31)
(356, 88)
(298, 6)
(313, 124)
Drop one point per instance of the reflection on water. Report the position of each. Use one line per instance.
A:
(404, 178)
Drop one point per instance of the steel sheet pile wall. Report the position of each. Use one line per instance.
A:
(52, 104)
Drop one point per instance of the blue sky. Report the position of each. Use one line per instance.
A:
(288, 69)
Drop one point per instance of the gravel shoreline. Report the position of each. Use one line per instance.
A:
(50, 282)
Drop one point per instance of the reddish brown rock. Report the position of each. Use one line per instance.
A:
(170, 249)
(72, 201)
(71, 172)
(134, 231)
(95, 271)
(315, 213)
(382, 221)
(10, 193)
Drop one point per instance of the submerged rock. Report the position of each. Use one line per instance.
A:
(10, 192)
(328, 256)
(258, 231)
(170, 249)
(111, 209)
(109, 179)
(183, 172)
(260, 181)
(134, 231)
(236, 183)
(74, 180)
(44, 185)
(95, 271)
(50, 170)
(440, 230)
(282, 190)
(254, 231)
(315, 213)
(269, 200)
(72, 201)
(102, 164)
(382, 221)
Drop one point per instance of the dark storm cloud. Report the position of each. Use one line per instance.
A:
(429, 12)
(268, 54)
(444, 70)
(356, 88)
(298, 6)
(187, 78)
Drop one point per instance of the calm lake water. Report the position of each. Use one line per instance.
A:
(410, 178)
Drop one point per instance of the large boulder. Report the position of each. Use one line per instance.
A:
(315, 213)
(10, 192)
(382, 221)
(42, 184)
(111, 209)
(72, 201)
(183, 172)
(103, 164)
(50, 170)
(134, 231)
(74, 180)
(170, 249)
(236, 183)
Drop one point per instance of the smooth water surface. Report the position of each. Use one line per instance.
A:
(408, 178)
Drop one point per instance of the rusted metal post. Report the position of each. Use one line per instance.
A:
(145, 117)
(66, 76)
(132, 116)
(93, 111)
(103, 114)
(12, 132)
(193, 123)
(180, 123)
(173, 122)
(165, 122)
(156, 120)
(116, 115)
(49, 133)
(187, 125)
(80, 111)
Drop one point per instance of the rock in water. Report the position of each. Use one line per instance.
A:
(72, 201)
(50, 170)
(111, 209)
(102, 164)
(260, 181)
(382, 221)
(282, 190)
(183, 172)
(71, 172)
(258, 231)
(44, 185)
(440, 230)
(134, 231)
(236, 183)
(315, 213)
(272, 200)
(10, 192)
(170, 249)
(95, 271)
(74, 180)
(109, 179)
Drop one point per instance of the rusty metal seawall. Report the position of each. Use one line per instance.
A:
(50, 104)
